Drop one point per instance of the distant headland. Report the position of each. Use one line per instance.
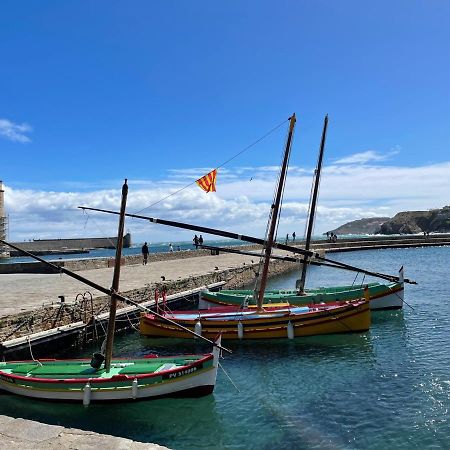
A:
(406, 222)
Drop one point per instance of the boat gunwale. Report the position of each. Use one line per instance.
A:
(113, 378)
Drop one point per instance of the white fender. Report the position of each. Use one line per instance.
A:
(87, 394)
(290, 330)
(198, 328)
(134, 388)
(240, 330)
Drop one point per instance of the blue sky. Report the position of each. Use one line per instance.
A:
(162, 92)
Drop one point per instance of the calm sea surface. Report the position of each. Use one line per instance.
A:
(387, 388)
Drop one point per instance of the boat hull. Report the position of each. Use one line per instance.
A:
(197, 378)
(382, 296)
(350, 317)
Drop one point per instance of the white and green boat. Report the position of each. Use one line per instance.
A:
(382, 296)
(127, 379)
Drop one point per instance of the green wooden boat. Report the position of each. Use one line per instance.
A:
(382, 296)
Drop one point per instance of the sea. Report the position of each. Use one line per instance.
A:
(383, 389)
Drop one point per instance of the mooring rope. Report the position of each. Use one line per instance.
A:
(31, 352)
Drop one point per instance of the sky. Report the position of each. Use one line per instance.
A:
(160, 93)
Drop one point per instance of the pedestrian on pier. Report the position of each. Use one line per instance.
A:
(287, 238)
(195, 240)
(200, 240)
(170, 247)
(293, 236)
(145, 253)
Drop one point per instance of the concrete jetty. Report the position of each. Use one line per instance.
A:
(31, 435)
(23, 291)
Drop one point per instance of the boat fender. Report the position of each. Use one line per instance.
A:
(87, 394)
(290, 330)
(198, 328)
(240, 330)
(134, 388)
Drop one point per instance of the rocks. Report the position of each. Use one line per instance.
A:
(410, 222)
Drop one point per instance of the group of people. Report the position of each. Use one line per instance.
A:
(198, 240)
(287, 238)
(145, 251)
(331, 236)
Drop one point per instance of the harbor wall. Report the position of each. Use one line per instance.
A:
(53, 245)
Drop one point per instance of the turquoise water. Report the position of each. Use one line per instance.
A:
(387, 388)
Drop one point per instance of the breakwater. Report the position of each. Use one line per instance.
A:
(378, 242)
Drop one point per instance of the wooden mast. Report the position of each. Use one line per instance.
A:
(274, 215)
(115, 282)
(312, 212)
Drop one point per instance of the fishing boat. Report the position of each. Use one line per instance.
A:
(104, 378)
(266, 321)
(272, 321)
(382, 296)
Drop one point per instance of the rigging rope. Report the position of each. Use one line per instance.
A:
(218, 167)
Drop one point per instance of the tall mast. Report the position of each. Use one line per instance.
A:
(312, 211)
(115, 282)
(274, 214)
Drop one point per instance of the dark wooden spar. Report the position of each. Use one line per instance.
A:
(274, 215)
(312, 209)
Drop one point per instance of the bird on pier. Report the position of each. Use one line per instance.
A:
(163, 278)
(216, 268)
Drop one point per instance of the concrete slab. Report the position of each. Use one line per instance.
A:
(30, 435)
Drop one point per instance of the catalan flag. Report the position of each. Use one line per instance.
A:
(208, 182)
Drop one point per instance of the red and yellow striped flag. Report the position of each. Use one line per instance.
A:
(208, 182)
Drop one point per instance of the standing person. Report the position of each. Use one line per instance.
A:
(195, 240)
(287, 238)
(170, 247)
(200, 240)
(144, 253)
(293, 236)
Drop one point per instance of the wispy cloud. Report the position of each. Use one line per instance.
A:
(14, 131)
(368, 156)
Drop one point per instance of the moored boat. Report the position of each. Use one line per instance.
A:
(127, 379)
(381, 296)
(273, 321)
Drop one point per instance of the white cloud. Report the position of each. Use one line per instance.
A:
(368, 156)
(14, 131)
(347, 192)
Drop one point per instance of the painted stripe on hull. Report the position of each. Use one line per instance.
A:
(202, 381)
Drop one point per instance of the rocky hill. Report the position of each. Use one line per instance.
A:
(409, 222)
(371, 225)
(406, 222)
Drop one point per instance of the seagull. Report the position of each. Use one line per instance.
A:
(216, 268)
(163, 278)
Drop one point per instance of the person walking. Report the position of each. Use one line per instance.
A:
(195, 240)
(293, 236)
(145, 253)
(287, 238)
(170, 247)
(200, 240)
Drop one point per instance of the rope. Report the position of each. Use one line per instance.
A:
(31, 352)
(228, 376)
(218, 167)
